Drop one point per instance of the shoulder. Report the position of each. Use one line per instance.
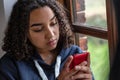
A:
(73, 49)
(12, 69)
(7, 62)
(7, 67)
(6, 59)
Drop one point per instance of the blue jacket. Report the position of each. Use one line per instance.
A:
(11, 69)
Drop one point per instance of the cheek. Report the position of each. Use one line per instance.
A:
(38, 42)
(36, 38)
(57, 31)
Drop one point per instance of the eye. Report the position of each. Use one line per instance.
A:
(53, 23)
(37, 29)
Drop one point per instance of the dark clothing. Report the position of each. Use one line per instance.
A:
(11, 69)
(115, 68)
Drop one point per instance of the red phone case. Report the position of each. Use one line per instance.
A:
(78, 58)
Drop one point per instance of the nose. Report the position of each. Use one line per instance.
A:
(49, 32)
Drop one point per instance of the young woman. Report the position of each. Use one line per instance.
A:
(39, 43)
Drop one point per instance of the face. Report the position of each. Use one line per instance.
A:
(43, 29)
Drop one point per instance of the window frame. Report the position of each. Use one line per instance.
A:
(111, 34)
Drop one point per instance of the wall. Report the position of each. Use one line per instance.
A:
(5, 9)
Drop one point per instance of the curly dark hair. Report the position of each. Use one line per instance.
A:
(16, 41)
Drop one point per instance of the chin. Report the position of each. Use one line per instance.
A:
(52, 48)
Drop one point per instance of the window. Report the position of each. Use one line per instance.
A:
(95, 27)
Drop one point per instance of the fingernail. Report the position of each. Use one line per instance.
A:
(77, 67)
(85, 62)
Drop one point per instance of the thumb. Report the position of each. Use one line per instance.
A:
(68, 62)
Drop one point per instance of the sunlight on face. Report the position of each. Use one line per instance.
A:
(43, 29)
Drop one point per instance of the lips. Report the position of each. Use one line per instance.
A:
(52, 42)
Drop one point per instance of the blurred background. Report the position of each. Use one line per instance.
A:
(93, 14)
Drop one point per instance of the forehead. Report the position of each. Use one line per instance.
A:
(43, 13)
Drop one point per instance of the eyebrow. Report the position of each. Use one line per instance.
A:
(39, 24)
(52, 18)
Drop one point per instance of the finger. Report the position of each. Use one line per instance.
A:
(85, 69)
(78, 68)
(84, 63)
(68, 75)
(74, 70)
(68, 61)
(82, 76)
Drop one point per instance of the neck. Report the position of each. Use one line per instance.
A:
(48, 57)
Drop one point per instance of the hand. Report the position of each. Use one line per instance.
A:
(83, 72)
(79, 72)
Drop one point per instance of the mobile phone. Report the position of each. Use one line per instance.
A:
(78, 58)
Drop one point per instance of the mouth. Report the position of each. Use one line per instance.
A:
(52, 42)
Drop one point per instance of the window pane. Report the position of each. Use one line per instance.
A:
(99, 55)
(95, 12)
(89, 12)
